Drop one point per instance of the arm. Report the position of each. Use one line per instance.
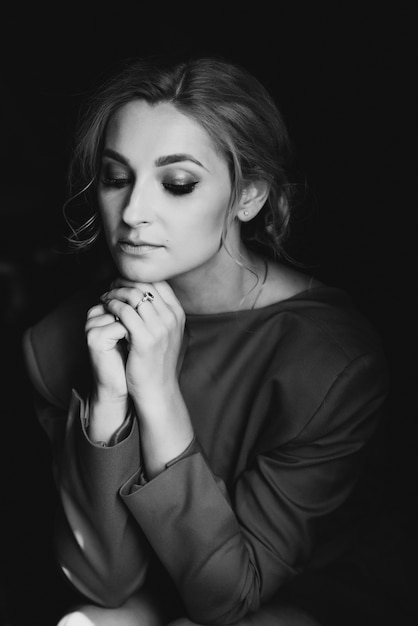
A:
(229, 555)
(98, 546)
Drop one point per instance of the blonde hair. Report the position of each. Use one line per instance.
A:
(233, 107)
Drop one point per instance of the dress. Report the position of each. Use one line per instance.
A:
(284, 400)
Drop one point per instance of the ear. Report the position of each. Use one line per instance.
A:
(252, 200)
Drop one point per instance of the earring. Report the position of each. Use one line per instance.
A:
(246, 213)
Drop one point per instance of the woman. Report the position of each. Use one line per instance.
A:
(209, 427)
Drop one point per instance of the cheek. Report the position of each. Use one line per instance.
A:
(215, 219)
(212, 215)
(201, 231)
(108, 215)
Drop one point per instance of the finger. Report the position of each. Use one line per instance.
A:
(126, 314)
(138, 300)
(143, 323)
(98, 312)
(135, 299)
(161, 287)
(125, 289)
(156, 313)
(95, 311)
(101, 320)
(116, 331)
(167, 293)
(130, 295)
(165, 303)
(102, 335)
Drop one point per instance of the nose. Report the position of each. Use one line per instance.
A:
(137, 210)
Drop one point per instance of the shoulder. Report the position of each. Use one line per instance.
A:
(328, 357)
(327, 315)
(55, 351)
(327, 332)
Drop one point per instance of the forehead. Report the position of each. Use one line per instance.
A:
(139, 129)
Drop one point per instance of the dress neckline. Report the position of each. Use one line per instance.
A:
(254, 312)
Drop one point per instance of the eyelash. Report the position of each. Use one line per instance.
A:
(115, 182)
(175, 190)
(179, 190)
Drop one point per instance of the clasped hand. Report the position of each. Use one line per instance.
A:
(135, 352)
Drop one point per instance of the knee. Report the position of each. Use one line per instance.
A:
(139, 610)
(75, 618)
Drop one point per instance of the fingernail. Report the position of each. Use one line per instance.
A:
(103, 296)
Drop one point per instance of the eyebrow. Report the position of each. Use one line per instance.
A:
(160, 162)
(177, 158)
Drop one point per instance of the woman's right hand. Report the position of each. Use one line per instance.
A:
(103, 333)
(109, 398)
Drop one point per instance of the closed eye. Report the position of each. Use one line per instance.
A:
(115, 182)
(179, 189)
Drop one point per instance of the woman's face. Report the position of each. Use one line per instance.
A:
(163, 193)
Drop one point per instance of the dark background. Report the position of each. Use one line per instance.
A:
(345, 80)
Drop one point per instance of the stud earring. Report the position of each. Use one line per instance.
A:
(246, 213)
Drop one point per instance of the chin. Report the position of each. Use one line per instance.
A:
(143, 275)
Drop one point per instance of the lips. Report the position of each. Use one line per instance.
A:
(139, 242)
(138, 247)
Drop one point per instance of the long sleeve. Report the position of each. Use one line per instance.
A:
(228, 554)
(98, 545)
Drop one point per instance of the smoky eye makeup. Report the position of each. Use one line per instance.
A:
(176, 183)
(179, 187)
(179, 184)
(113, 175)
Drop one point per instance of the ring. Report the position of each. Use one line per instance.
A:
(147, 297)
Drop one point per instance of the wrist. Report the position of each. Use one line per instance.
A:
(103, 395)
(165, 428)
(153, 402)
(106, 415)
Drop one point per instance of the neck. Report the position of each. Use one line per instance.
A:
(225, 285)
